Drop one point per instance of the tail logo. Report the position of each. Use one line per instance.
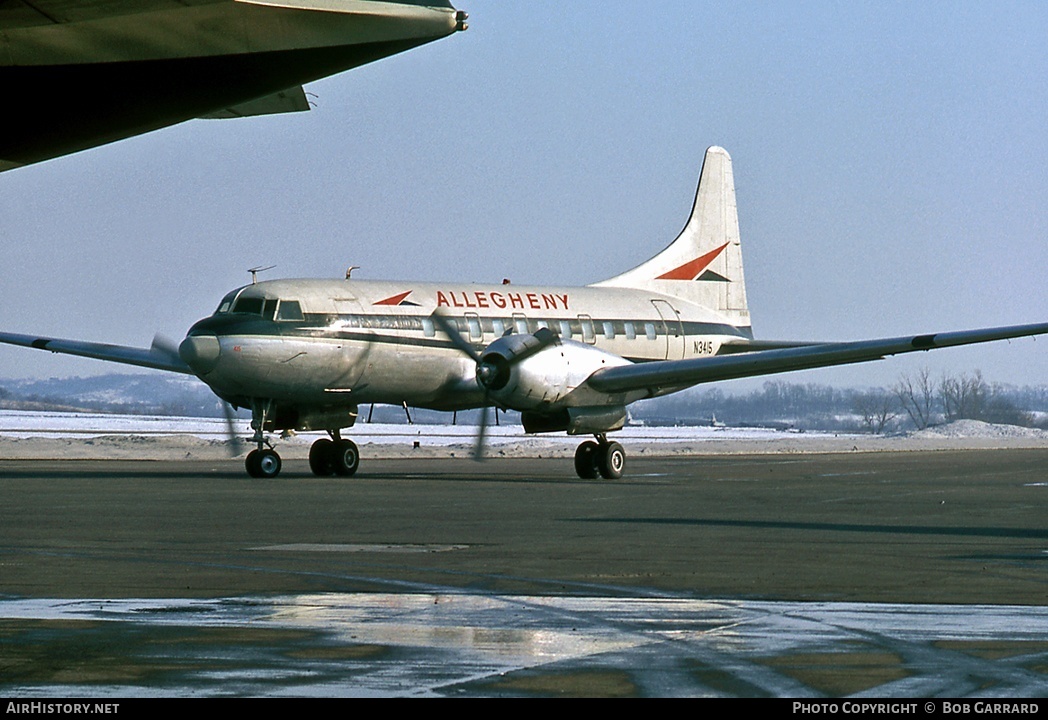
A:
(696, 269)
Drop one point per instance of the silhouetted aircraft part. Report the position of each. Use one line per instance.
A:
(94, 71)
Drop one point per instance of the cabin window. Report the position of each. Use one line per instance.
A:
(588, 336)
(609, 330)
(521, 324)
(289, 310)
(631, 332)
(428, 328)
(565, 329)
(649, 330)
(498, 326)
(475, 332)
(543, 324)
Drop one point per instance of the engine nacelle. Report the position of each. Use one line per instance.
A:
(575, 420)
(523, 372)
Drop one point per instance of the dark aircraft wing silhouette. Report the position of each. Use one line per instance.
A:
(81, 73)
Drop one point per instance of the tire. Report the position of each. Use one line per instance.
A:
(611, 461)
(252, 465)
(268, 464)
(346, 458)
(322, 458)
(586, 460)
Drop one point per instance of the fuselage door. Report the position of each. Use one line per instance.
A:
(673, 327)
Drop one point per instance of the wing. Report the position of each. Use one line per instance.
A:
(665, 376)
(125, 67)
(158, 356)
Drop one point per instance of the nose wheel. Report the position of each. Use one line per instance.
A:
(603, 458)
(263, 463)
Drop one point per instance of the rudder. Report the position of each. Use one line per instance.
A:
(704, 264)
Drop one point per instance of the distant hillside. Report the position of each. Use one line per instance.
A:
(777, 404)
(137, 394)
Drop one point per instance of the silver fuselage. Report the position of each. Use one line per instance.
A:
(318, 344)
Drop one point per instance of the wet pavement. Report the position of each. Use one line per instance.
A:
(436, 644)
(885, 575)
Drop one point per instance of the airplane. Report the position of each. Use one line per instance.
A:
(305, 354)
(91, 72)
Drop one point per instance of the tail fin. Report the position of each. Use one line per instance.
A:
(704, 264)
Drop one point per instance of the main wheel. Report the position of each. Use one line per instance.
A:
(586, 460)
(611, 460)
(322, 458)
(262, 463)
(346, 458)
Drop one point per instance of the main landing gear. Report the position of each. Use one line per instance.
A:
(603, 458)
(336, 456)
(326, 458)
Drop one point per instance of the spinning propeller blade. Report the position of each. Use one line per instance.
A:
(482, 429)
(165, 346)
(451, 330)
(236, 445)
(487, 371)
(168, 348)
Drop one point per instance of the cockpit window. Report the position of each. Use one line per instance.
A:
(289, 310)
(227, 302)
(250, 305)
(269, 309)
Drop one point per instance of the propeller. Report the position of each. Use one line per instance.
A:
(493, 368)
(167, 347)
(236, 445)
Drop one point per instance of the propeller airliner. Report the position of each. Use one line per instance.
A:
(306, 354)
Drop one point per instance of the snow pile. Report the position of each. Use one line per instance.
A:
(978, 429)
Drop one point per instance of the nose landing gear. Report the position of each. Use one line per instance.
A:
(263, 462)
(603, 458)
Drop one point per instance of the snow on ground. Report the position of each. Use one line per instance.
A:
(29, 435)
(979, 429)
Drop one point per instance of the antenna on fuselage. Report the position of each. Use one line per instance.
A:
(256, 270)
(350, 269)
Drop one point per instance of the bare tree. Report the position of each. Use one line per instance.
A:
(969, 397)
(917, 397)
(877, 409)
(963, 396)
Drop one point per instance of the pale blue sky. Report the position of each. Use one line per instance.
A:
(890, 162)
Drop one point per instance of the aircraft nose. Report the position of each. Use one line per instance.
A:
(200, 352)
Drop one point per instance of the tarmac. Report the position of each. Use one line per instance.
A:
(903, 574)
